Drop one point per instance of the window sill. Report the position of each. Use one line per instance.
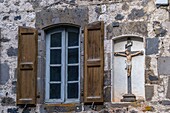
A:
(61, 104)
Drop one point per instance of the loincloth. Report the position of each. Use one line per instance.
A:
(128, 65)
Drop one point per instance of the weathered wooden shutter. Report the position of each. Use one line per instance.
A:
(94, 62)
(27, 65)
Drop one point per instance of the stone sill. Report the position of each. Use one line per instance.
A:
(61, 104)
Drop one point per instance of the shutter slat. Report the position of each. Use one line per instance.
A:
(94, 62)
(27, 65)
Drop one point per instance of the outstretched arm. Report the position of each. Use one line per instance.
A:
(120, 54)
(137, 53)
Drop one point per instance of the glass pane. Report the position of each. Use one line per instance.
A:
(73, 56)
(72, 90)
(55, 73)
(55, 91)
(73, 73)
(55, 56)
(56, 40)
(73, 39)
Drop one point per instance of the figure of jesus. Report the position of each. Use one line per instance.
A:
(129, 56)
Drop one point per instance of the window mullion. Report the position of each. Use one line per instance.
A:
(79, 64)
(63, 67)
(66, 58)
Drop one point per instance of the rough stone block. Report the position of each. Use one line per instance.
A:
(160, 32)
(153, 78)
(166, 25)
(65, 108)
(163, 65)
(136, 14)
(17, 17)
(14, 83)
(12, 51)
(149, 92)
(5, 18)
(78, 108)
(14, 89)
(42, 109)
(107, 78)
(87, 107)
(119, 110)
(127, 28)
(7, 101)
(109, 28)
(125, 6)
(41, 67)
(15, 73)
(4, 73)
(41, 35)
(107, 94)
(147, 62)
(98, 9)
(12, 110)
(78, 16)
(98, 107)
(109, 31)
(115, 24)
(150, 77)
(152, 45)
(40, 80)
(133, 111)
(1, 1)
(4, 40)
(145, 2)
(119, 17)
(41, 48)
(105, 111)
(165, 102)
(35, 4)
(149, 108)
(168, 89)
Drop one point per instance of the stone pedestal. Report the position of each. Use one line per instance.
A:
(128, 98)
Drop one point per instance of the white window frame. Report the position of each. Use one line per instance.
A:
(64, 63)
(161, 2)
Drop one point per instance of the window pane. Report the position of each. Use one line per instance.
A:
(72, 55)
(73, 73)
(55, 73)
(56, 40)
(73, 39)
(72, 90)
(55, 91)
(55, 56)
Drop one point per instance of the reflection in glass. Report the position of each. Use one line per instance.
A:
(73, 72)
(56, 40)
(55, 56)
(73, 39)
(55, 73)
(72, 90)
(73, 55)
(55, 91)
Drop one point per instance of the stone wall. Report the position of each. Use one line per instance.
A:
(121, 17)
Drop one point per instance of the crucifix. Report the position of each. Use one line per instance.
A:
(129, 97)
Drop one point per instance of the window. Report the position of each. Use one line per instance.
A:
(63, 65)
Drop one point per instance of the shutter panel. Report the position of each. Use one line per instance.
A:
(27, 65)
(94, 62)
